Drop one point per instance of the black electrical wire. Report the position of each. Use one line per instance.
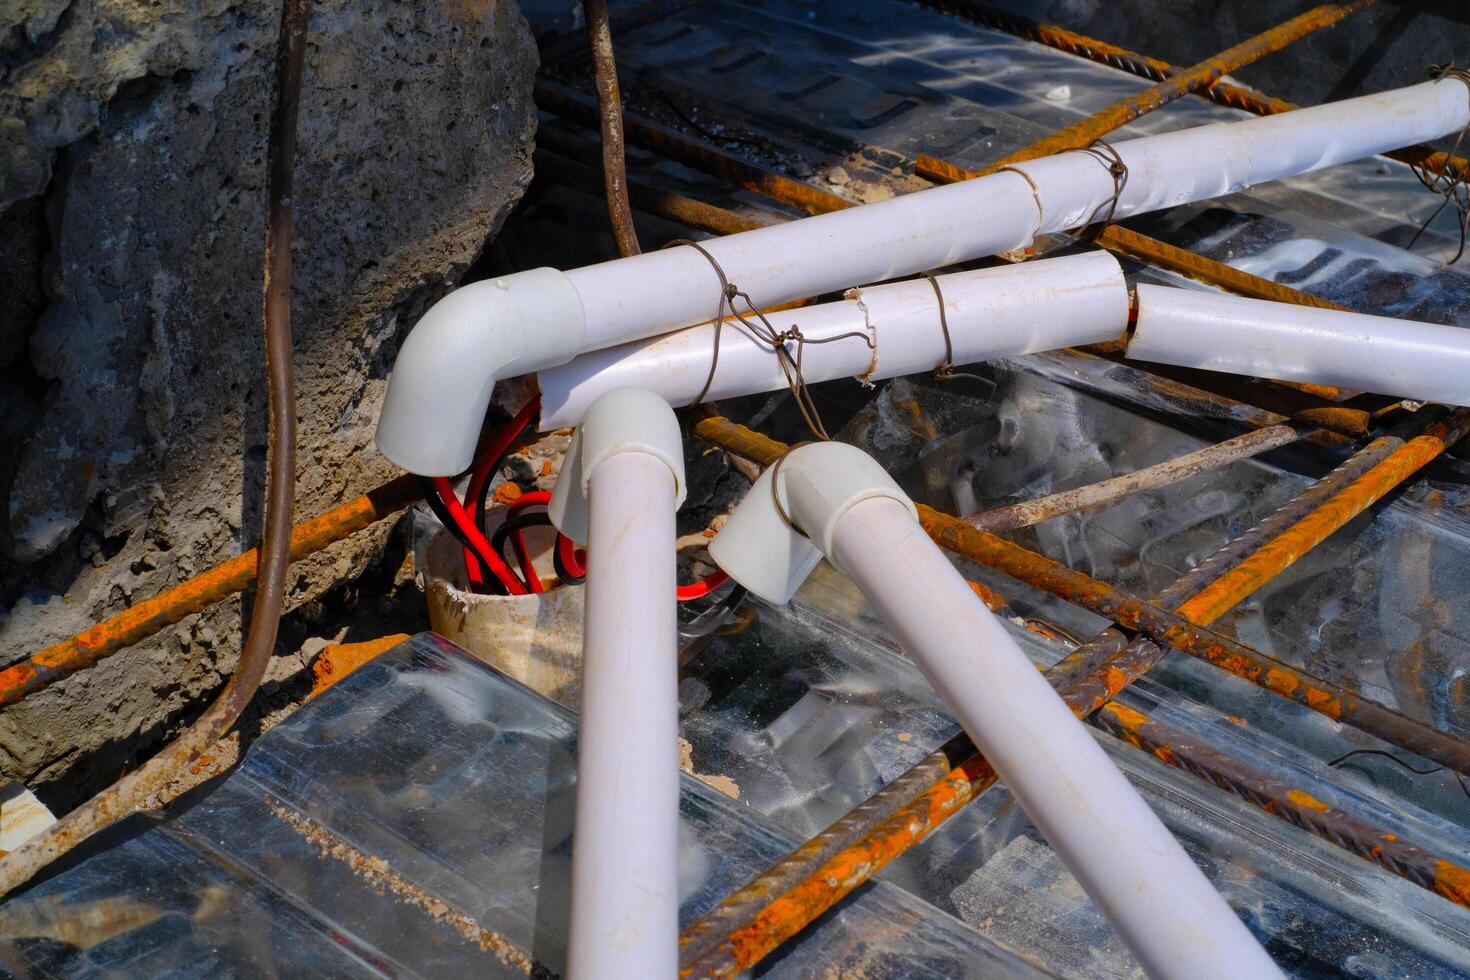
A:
(431, 497)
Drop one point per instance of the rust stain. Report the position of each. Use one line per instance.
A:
(507, 493)
(993, 600)
(1324, 702)
(380, 875)
(1281, 681)
(1132, 721)
(337, 660)
(1306, 800)
(1452, 881)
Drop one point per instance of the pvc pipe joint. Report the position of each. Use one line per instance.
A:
(771, 554)
(443, 377)
(623, 420)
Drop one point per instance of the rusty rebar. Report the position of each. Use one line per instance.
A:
(1279, 798)
(1164, 626)
(1219, 91)
(1272, 557)
(610, 121)
(142, 620)
(131, 792)
(645, 197)
(1099, 124)
(1034, 511)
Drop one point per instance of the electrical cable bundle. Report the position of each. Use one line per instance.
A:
(486, 567)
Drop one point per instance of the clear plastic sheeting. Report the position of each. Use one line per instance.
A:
(415, 820)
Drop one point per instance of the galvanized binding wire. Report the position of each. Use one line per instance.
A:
(1448, 182)
(132, 792)
(767, 335)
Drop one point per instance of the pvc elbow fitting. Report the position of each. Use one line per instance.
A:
(623, 420)
(441, 383)
(817, 484)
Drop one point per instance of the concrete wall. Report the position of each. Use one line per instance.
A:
(132, 388)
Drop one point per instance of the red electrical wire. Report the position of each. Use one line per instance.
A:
(518, 539)
(484, 469)
(703, 587)
(469, 531)
(574, 562)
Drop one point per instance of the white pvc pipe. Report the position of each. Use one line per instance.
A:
(1020, 309)
(1216, 332)
(1158, 901)
(655, 292)
(441, 382)
(625, 883)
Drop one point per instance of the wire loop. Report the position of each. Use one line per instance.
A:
(1450, 183)
(762, 332)
(775, 494)
(944, 371)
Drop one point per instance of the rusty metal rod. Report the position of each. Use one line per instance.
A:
(138, 622)
(610, 118)
(1099, 124)
(646, 197)
(131, 792)
(1423, 867)
(1275, 555)
(1156, 69)
(1166, 627)
(1028, 512)
(1278, 521)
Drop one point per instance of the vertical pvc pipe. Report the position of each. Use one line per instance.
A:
(625, 888)
(1161, 905)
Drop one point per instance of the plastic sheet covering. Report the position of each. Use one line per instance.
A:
(415, 820)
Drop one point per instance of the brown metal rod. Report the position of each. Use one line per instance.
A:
(1155, 69)
(140, 621)
(129, 794)
(1028, 512)
(610, 118)
(1099, 124)
(645, 197)
(1269, 560)
(1166, 627)
(1279, 798)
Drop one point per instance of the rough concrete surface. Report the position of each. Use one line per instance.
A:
(132, 388)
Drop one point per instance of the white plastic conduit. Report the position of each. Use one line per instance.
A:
(851, 511)
(621, 483)
(1020, 309)
(441, 383)
(1422, 361)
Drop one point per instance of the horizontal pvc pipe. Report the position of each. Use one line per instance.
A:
(625, 883)
(655, 292)
(1020, 309)
(1158, 901)
(1217, 332)
(441, 383)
